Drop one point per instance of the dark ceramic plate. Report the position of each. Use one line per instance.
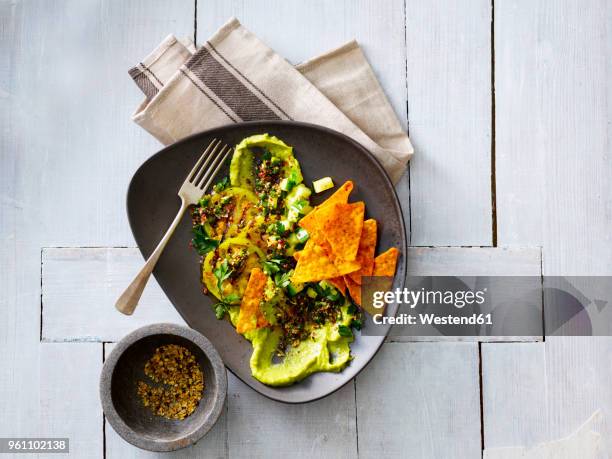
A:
(152, 203)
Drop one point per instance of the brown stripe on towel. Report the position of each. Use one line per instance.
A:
(228, 88)
(145, 84)
(242, 75)
(198, 84)
(157, 81)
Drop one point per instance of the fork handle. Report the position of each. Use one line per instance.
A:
(128, 300)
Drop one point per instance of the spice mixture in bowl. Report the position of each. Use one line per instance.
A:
(178, 382)
(163, 387)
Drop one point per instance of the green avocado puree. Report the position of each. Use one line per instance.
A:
(252, 206)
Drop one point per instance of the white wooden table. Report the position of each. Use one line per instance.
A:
(508, 106)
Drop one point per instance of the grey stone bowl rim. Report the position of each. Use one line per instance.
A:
(220, 394)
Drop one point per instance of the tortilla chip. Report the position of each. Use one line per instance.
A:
(340, 196)
(296, 255)
(384, 264)
(343, 266)
(354, 289)
(250, 316)
(346, 266)
(365, 254)
(342, 229)
(313, 265)
(338, 282)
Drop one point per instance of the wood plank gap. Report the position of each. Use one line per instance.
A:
(542, 284)
(103, 414)
(407, 125)
(195, 22)
(480, 389)
(356, 421)
(41, 294)
(227, 435)
(493, 174)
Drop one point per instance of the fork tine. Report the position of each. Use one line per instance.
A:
(204, 167)
(211, 168)
(214, 168)
(205, 155)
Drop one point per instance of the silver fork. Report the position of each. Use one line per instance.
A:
(197, 182)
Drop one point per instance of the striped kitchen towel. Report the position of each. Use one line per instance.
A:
(235, 77)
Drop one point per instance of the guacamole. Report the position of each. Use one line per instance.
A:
(247, 227)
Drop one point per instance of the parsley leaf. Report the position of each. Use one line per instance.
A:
(232, 299)
(283, 279)
(345, 331)
(357, 324)
(201, 241)
(270, 267)
(220, 309)
(273, 265)
(222, 273)
(223, 306)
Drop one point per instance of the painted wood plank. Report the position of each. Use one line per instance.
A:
(262, 428)
(420, 400)
(69, 403)
(449, 114)
(514, 394)
(73, 100)
(307, 29)
(80, 287)
(65, 101)
(213, 445)
(553, 127)
(553, 163)
(473, 261)
(578, 379)
(540, 392)
(19, 274)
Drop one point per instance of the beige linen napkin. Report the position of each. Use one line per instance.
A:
(235, 77)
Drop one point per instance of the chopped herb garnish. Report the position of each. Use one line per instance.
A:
(302, 235)
(277, 228)
(222, 184)
(298, 206)
(292, 181)
(357, 324)
(204, 201)
(333, 294)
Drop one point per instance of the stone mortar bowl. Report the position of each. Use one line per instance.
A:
(123, 408)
